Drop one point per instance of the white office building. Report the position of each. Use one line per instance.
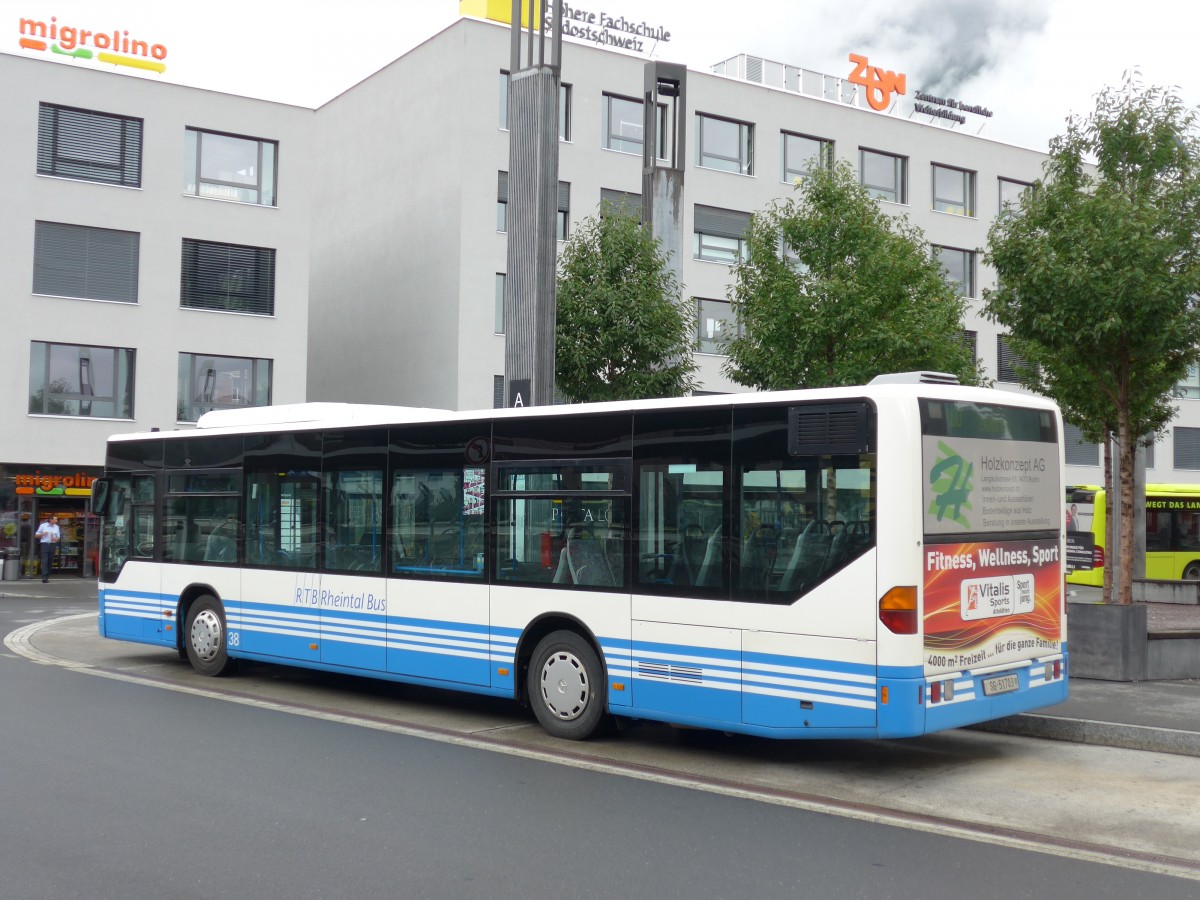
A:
(167, 250)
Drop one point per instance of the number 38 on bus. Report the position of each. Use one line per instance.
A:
(878, 561)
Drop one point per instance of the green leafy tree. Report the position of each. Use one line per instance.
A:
(622, 331)
(1098, 273)
(833, 291)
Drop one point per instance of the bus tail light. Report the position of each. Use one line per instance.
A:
(898, 610)
(1097, 557)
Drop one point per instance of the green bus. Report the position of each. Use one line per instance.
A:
(1172, 532)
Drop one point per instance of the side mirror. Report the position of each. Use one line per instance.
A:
(101, 492)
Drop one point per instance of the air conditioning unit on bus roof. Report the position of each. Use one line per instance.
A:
(915, 378)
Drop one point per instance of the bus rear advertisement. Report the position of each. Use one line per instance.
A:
(876, 561)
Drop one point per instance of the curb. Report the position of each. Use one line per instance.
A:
(1100, 734)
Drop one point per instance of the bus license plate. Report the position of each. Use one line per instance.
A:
(1002, 684)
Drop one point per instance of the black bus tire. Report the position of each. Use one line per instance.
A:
(204, 637)
(566, 687)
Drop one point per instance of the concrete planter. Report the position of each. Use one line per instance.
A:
(1108, 641)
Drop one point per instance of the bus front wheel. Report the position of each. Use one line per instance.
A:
(1192, 572)
(566, 687)
(204, 637)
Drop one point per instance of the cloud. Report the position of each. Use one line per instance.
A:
(946, 45)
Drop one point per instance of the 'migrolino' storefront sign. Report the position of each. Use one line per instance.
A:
(115, 47)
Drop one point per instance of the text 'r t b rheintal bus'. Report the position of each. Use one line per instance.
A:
(877, 561)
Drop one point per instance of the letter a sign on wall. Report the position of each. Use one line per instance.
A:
(519, 393)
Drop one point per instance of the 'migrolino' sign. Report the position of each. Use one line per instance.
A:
(115, 47)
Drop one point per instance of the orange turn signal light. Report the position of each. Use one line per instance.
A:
(898, 610)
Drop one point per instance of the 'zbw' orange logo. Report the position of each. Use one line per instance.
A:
(879, 84)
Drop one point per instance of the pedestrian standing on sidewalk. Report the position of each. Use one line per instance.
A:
(48, 535)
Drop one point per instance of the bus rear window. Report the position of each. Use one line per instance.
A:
(989, 421)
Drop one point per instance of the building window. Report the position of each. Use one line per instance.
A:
(1078, 451)
(953, 190)
(622, 127)
(89, 146)
(623, 203)
(229, 167)
(1007, 362)
(564, 112)
(208, 382)
(564, 107)
(502, 202)
(69, 380)
(724, 144)
(1187, 447)
(503, 100)
(227, 278)
(970, 340)
(884, 175)
(801, 154)
(562, 222)
(720, 234)
(715, 325)
(1189, 388)
(89, 263)
(1011, 192)
(561, 226)
(958, 268)
(500, 280)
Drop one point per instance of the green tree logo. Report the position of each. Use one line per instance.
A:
(951, 481)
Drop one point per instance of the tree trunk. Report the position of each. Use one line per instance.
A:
(1125, 442)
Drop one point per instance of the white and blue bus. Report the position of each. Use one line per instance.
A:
(879, 561)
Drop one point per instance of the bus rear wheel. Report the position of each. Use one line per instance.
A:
(204, 637)
(1192, 572)
(566, 687)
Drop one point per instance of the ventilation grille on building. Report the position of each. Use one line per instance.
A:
(754, 69)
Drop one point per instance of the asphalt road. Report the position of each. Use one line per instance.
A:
(153, 782)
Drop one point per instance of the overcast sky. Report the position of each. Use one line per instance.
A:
(1031, 63)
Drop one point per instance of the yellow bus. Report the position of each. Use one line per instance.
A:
(1172, 532)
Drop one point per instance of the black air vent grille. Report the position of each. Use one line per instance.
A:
(823, 429)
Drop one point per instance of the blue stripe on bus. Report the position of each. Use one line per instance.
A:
(756, 693)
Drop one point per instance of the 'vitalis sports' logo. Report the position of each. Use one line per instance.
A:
(69, 41)
(950, 479)
(879, 84)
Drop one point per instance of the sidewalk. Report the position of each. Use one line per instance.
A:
(1161, 716)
